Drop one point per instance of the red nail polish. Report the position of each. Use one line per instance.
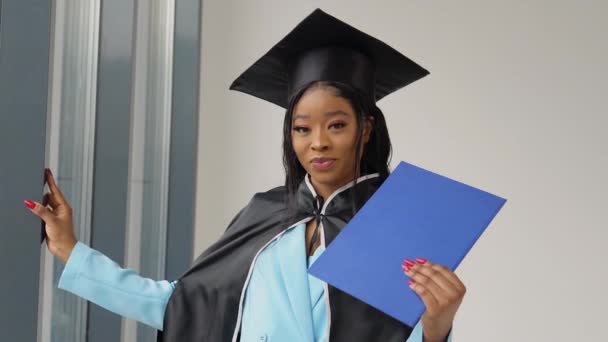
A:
(409, 262)
(421, 261)
(410, 282)
(29, 204)
(406, 268)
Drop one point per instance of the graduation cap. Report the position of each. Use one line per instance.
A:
(323, 48)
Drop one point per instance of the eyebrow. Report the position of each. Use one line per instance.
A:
(327, 114)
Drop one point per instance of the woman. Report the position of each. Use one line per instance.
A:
(252, 284)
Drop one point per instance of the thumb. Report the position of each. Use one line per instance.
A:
(41, 211)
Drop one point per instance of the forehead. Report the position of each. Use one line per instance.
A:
(319, 101)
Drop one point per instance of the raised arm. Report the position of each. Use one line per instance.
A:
(93, 276)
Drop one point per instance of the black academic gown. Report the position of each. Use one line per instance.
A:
(206, 303)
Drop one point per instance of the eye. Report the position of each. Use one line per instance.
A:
(300, 129)
(338, 125)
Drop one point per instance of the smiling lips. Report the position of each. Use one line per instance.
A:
(322, 164)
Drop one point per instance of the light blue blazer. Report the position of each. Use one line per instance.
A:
(282, 301)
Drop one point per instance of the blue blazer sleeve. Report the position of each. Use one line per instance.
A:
(417, 334)
(96, 278)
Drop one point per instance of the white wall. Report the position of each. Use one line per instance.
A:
(515, 104)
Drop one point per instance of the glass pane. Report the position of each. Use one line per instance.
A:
(72, 141)
(150, 143)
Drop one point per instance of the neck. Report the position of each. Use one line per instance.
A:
(324, 190)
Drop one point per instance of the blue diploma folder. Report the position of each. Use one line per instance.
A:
(415, 213)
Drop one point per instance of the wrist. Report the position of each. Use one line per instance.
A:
(426, 339)
(433, 333)
(64, 249)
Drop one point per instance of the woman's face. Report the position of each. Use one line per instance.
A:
(324, 134)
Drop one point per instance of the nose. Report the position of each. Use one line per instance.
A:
(320, 141)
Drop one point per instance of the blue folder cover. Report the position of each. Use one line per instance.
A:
(415, 213)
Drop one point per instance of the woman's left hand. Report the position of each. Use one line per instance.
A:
(441, 291)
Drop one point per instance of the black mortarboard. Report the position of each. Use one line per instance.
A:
(323, 48)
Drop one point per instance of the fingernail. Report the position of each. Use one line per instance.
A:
(406, 268)
(421, 261)
(49, 172)
(29, 204)
(410, 282)
(409, 262)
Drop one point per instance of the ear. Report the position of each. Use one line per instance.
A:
(368, 127)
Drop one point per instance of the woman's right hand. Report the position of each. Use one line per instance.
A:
(57, 214)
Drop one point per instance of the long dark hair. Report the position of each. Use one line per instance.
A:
(376, 153)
